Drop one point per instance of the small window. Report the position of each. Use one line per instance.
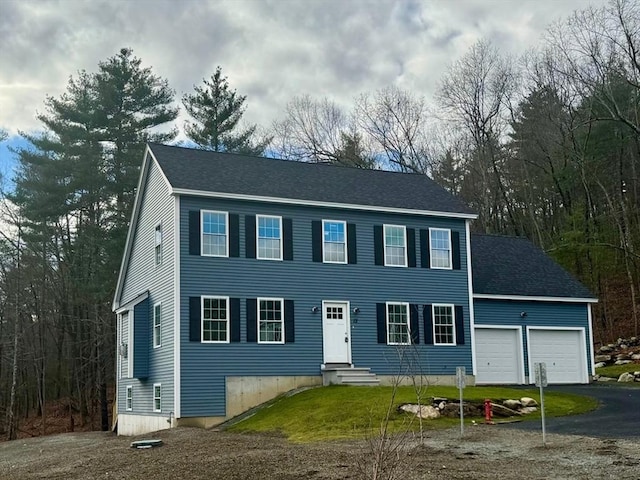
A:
(443, 325)
(270, 320)
(215, 319)
(158, 244)
(157, 325)
(334, 243)
(398, 324)
(215, 234)
(157, 397)
(269, 237)
(395, 245)
(129, 405)
(440, 240)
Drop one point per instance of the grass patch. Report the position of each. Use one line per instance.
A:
(342, 412)
(614, 371)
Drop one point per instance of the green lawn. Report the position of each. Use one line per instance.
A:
(614, 371)
(339, 412)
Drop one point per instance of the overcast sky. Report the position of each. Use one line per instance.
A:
(271, 50)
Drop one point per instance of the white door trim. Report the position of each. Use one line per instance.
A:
(347, 317)
(584, 376)
(519, 345)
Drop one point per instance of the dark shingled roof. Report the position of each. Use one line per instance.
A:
(192, 169)
(515, 266)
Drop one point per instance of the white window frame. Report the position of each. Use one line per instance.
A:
(281, 300)
(453, 324)
(450, 266)
(157, 398)
(384, 244)
(226, 233)
(324, 252)
(386, 313)
(228, 319)
(157, 240)
(258, 217)
(157, 326)
(129, 398)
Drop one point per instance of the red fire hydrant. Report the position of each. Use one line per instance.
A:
(488, 412)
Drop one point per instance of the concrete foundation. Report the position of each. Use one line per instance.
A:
(138, 424)
(426, 380)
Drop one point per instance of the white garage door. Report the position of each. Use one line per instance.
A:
(498, 356)
(564, 353)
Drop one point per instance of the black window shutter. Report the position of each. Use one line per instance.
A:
(352, 254)
(414, 324)
(455, 250)
(381, 312)
(289, 327)
(287, 239)
(428, 325)
(411, 247)
(234, 235)
(195, 319)
(424, 249)
(194, 232)
(250, 236)
(234, 318)
(459, 325)
(378, 244)
(316, 240)
(252, 322)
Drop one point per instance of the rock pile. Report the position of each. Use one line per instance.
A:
(443, 407)
(623, 352)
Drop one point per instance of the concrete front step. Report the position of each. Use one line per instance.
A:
(349, 376)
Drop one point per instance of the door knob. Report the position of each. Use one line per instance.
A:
(346, 339)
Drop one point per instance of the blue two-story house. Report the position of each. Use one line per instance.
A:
(245, 277)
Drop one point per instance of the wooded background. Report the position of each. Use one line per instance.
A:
(545, 146)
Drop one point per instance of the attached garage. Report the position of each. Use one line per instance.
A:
(499, 355)
(562, 350)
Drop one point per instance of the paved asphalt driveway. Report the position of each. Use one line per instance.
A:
(618, 415)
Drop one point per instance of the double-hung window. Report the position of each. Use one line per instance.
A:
(440, 240)
(215, 319)
(157, 397)
(158, 244)
(129, 405)
(443, 325)
(398, 324)
(334, 243)
(157, 325)
(270, 320)
(269, 237)
(215, 233)
(395, 245)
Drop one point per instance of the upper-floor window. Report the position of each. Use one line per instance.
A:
(270, 320)
(157, 325)
(443, 325)
(215, 233)
(269, 237)
(440, 245)
(215, 319)
(129, 405)
(158, 244)
(395, 245)
(334, 244)
(398, 323)
(157, 397)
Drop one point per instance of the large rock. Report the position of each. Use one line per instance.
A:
(622, 362)
(421, 411)
(527, 410)
(512, 404)
(605, 379)
(528, 402)
(635, 356)
(605, 349)
(600, 364)
(602, 358)
(622, 356)
(626, 377)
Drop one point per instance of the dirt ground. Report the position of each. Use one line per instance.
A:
(486, 452)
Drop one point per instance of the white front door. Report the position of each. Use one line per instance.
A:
(336, 332)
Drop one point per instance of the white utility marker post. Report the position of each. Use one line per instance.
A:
(460, 382)
(541, 381)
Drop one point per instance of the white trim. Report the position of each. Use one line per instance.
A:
(258, 300)
(119, 345)
(346, 305)
(226, 233)
(448, 230)
(408, 313)
(315, 203)
(164, 177)
(384, 245)
(534, 298)
(453, 323)
(591, 354)
(128, 396)
(157, 385)
(133, 302)
(583, 348)
(520, 344)
(159, 344)
(472, 318)
(176, 308)
(130, 342)
(228, 320)
(258, 217)
(156, 244)
(346, 253)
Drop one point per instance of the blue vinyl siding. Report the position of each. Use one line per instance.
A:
(539, 314)
(143, 275)
(205, 366)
